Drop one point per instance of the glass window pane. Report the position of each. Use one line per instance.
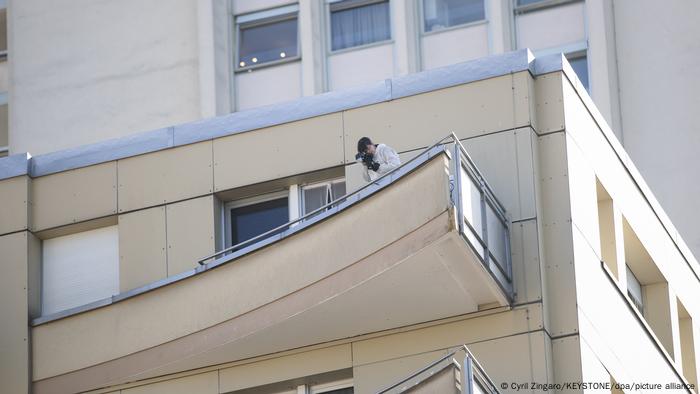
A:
(337, 190)
(315, 197)
(497, 232)
(267, 42)
(580, 66)
(255, 219)
(348, 390)
(359, 25)
(634, 290)
(526, 2)
(471, 209)
(439, 14)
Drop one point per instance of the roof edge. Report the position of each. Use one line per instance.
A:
(276, 114)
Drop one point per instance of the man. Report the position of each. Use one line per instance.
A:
(377, 159)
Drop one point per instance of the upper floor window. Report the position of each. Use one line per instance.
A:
(441, 14)
(526, 2)
(316, 195)
(267, 36)
(359, 22)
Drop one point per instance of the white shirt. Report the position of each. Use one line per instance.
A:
(387, 158)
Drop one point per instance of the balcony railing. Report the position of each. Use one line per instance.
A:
(484, 224)
(468, 378)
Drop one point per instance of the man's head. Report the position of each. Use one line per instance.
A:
(365, 145)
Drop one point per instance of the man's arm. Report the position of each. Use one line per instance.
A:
(392, 161)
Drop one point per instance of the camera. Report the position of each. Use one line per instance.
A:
(365, 157)
(368, 160)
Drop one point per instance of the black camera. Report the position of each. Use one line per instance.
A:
(368, 160)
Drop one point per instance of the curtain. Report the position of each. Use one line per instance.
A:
(360, 25)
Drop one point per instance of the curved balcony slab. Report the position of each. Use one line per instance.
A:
(393, 259)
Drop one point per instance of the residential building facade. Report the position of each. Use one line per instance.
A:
(525, 233)
(181, 209)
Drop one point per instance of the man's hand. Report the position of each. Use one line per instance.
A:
(368, 160)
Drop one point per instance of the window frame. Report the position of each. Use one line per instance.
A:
(421, 21)
(638, 303)
(327, 183)
(540, 5)
(244, 202)
(327, 387)
(261, 18)
(357, 3)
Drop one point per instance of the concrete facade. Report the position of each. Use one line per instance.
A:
(107, 81)
(328, 305)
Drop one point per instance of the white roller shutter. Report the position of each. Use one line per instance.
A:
(79, 269)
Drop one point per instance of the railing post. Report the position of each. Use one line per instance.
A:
(458, 186)
(484, 223)
(468, 375)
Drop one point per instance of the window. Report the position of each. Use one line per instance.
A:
(634, 290)
(339, 387)
(527, 2)
(579, 62)
(441, 14)
(317, 195)
(80, 268)
(246, 219)
(359, 22)
(267, 36)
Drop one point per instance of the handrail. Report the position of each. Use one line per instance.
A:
(453, 139)
(470, 365)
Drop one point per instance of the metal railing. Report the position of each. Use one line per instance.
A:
(325, 207)
(473, 378)
(480, 234)
(484, 222)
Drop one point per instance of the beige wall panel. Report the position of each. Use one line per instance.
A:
(165, 176)
(142, 248)
(370, 378)
(525, 144)
(75, 195)
(278, 151)
(567, 359)
(180, 304)
(527, 275)
(418, 121)
(285, 367)
(14, 195)
(516, 358)
(557, 236)
(549, 110)
(14, 332)
(206, 383)
(190, 233)
(495, 156)
(447, 335)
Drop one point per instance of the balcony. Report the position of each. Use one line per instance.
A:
(425, 242)
(447, 375)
